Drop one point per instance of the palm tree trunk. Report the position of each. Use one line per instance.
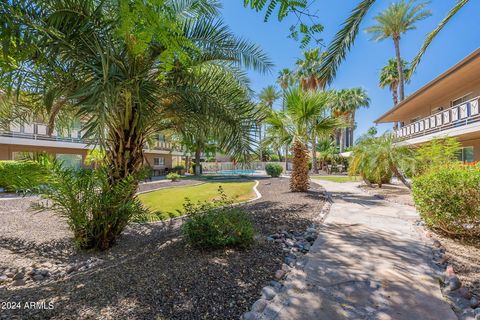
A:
(400, 176)
(198, 155)
(395, 95)
(286, 158)
(352, 128)
(314, 156)
(342, 144)
(401, 76)
(299, 180)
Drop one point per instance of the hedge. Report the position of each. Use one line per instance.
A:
(448, 199)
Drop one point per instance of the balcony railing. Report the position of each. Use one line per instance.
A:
(457, 116)
(39, 132)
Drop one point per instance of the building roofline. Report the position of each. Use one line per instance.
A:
(472, 56)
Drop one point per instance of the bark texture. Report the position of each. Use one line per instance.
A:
(299, 181)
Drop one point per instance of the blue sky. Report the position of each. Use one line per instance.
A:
(363, 63)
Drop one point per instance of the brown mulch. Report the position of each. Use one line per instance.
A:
(153, 273)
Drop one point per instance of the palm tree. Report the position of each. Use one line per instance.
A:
(389, 77)
(397, 19)
(345, 104)
(267, 97)
(133, 72)
(285, 79)
(308, 70)
(376, 158)
(305, 117)
(345, 37)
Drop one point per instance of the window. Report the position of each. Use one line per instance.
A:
(466, 154)
(460, 100)
(70, 160)
(160, 161)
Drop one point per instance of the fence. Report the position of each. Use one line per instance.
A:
(255, 165)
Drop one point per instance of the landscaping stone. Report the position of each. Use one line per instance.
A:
(268, 293)
(4, 279)
(38, 277)
(10, 274)
(251, 316)
(259, 305)
(464, 293)
(279, 274)
(454, 283)
(18, 276)
(18, 282)
(474, 302)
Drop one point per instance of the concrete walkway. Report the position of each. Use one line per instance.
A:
(369, 262)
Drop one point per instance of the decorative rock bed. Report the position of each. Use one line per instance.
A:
(465, 305)
(43, 271)
(295, 246)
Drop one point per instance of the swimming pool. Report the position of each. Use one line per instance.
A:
(236, 172)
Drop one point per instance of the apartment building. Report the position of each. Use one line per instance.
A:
(70, 148)
(448, 106)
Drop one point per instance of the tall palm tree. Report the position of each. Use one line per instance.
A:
(308, 70)
(285, 79)
(345, 104)
(131, 71)
(345, 37)
(389, 77)
(306, 116)
(267, 97)
(397, 19)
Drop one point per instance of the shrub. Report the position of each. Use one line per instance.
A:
(274, 158)
(24, 175)
(219, 227)
(96, 211)
(217, 224)
(273, 169)
(178, 169)
(448, 199)
(173, 176)
(437, 152)
(145, 173)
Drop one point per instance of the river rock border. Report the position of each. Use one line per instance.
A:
(464, 304)
(295, 246)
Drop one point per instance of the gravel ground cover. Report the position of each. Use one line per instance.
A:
(152, 272)
(391, 192)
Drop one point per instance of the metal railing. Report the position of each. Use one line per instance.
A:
(43, 137)
(457, 116)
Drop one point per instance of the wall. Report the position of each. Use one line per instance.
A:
(6, 151)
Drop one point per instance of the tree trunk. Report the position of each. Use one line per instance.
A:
(401, 76)
(198, 154)
(400, 176)
(260, 142)
(314, 156)
(395, 95)
(299, 181)
(286, 158)
(342, 145)
(187, 164)
(352, 128)
(368, 183)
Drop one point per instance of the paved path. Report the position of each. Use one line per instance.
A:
(368, 262)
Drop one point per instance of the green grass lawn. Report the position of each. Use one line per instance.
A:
(168, 201)
(340, 179)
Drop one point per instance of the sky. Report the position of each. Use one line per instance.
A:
(365, 60)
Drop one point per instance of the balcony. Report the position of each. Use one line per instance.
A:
(445, 122)
(38, 131)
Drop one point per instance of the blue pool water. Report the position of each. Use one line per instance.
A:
(236, 172)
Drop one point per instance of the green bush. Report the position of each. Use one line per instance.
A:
(274, 158)
(273, 169)
(173, 176)
(178, 169)
(217, 224)
(448, 199)
(96, 211)
(24, 175)
(219, 227)
(145, 173)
